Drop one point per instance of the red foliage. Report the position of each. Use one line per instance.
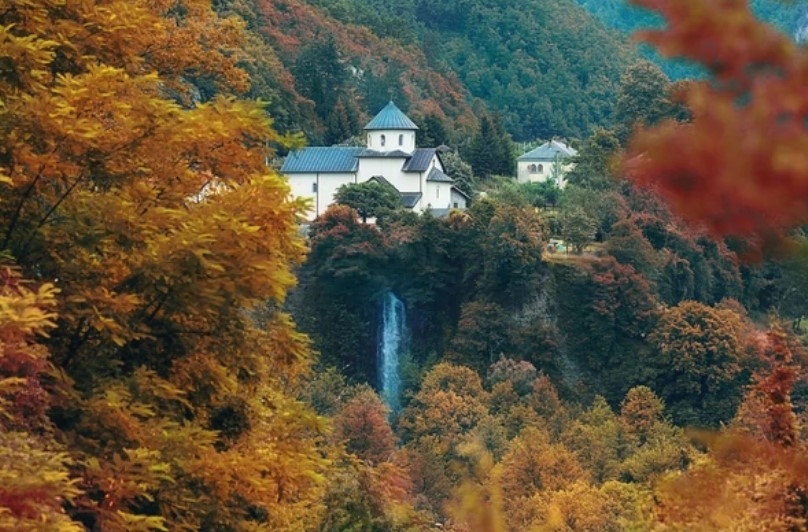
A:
(739, 166)
(362, 424)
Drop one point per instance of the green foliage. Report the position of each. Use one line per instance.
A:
(459, 170)
(512, 255)
(577, 228)
(370, 199)
(481, 336)
(342, 281)
(643, 98)
(594, 164)
(320, 75)
(491, 151)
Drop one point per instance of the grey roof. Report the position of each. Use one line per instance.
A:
(383, 181)
(455, 189)
(391, 117)
(548, 151)
(420, 160)
(330, 159)
(409, 199)
(395, 154)
(437, 175)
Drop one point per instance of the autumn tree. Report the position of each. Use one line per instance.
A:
(736, 119)
(598, 440)
(698, 367)
(363, 424)
(532, 466)
(750, 103)
(35, 481)
(754, 476)
(450, 403)
(149, 204)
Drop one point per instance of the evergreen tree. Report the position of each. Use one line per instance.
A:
(491, 149)
(320, 75)
(432, 132)
(342, 122)
(503, 148)
(480, 153)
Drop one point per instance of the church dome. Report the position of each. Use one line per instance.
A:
(391, 118)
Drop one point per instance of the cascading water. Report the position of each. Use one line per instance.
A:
(392, 345)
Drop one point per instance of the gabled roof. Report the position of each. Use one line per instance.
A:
(332, 159)
(437, 175)
(383, 181)
(391, 117)
(548, 152)
(409, 199)
(395, 154)
(420, 160)
(455, 189)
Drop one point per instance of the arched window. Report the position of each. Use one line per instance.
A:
(401, 140)
(532, 168)
(541, 168)
(383, 139)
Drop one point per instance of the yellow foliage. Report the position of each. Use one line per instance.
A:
(155, 216)
(34, 479)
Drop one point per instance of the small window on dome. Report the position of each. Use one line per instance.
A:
(383, 140)
(401, 140)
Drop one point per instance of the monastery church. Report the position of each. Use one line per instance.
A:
(389, 157)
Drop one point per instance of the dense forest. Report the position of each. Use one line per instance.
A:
(627, 18)
(179, 352)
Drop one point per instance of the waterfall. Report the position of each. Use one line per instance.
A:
(392, 345)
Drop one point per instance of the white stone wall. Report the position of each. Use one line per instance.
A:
(543, 170)
(391, 140)
(390, 169)
(303, 186)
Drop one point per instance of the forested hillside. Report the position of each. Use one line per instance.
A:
(327, 65)
(626, 17)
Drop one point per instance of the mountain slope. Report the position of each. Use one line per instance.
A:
(626, 18)
(549, 68)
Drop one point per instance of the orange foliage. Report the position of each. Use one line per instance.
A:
(362, 424)
(289, 24)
